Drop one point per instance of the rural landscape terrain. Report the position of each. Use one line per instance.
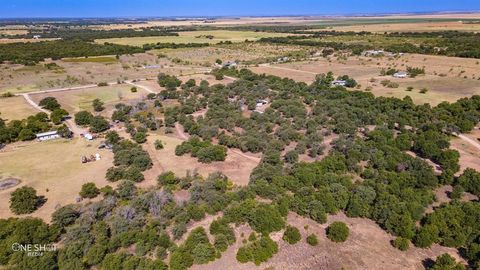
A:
(240, 143)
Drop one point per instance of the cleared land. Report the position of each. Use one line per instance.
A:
(77, 100)
(54, 169)
(368, 247)
(212, 37)
(15, 108)
(446, 78)
(236, 166)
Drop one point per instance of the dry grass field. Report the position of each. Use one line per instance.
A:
(446, 78)
(78, 100)
(83, 71)
(368, 247)
(408, 27)
(235, 166)
(15, 108)
(231, 52)
(212, 37)
(54, 169)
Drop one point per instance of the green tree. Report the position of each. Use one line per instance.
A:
(89, 190)
(49, 103)
(401, 243)
(98, 105)
(24, 200)
(446, 262)
(83, 118)
(291, 235)
(312, 240)
(337, 232)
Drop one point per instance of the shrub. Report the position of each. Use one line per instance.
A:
(291, 235)
(24, 200)
(337, 232)
(89, 190)
(65, 216)
(158, 145)
(423, 91)
(49, 103)
(444, 262)
(83, 118)
(258, 251)
(98, 105)
(133, 89)
(401, 243)
(312, 240)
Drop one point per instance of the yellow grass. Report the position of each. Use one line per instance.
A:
(100, 59)
(194, 37)
(77, 100)
(53, 165)
(15, 108)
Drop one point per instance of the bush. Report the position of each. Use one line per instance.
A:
(312, 240)
(158, 145)
(401, 243)
(89, 190)
(133, 89)
(446, 262)
(258, 251)
(24, 200)
(291, 235)
(337, 232)
(99, 124)
(83, 118)
(98, 105)
(65, 216)
(423, 91)
(49, 103)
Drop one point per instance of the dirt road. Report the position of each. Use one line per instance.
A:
(469, 140)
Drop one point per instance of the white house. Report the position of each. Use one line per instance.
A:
(400, 74)
(45, 136)
(339, 83)
(36, 36)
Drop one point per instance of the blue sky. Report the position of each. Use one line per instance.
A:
(161, 8)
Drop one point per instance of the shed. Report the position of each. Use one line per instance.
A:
(45, 136)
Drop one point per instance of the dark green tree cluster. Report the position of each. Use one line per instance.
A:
(130, 161)
(205, 151)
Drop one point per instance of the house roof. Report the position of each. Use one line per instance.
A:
(49, 133)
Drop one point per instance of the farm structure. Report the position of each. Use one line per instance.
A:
(45, 136)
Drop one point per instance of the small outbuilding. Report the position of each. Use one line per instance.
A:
(339, 83)
(46, 136)
(400, 74)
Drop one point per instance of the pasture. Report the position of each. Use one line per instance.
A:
(15, 108)
(54, 169)
(446, 78)
(78, 100)
(211, 36)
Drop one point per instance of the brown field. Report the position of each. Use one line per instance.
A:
(21, 79)
(15, 108)
(236, 166)
(368, 247)
(408, 27)
(77, 100)
(16, 40)
(54, 169)
(447, 78)
(235, 52)
(469, 154)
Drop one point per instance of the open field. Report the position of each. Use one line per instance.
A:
(54, 169)
(469, 154)
(368, 247)
(235, 166)
(21, 79)
(16, 40)
(15, 108)
(232, 52)
(446, 78)
(100, 59)
(408, 27)
(77, 100)
(212, 37)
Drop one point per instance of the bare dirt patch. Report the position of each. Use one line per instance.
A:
(368, 247)
(8, 183)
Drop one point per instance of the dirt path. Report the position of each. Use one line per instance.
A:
(289, 69)
(69, 122)
(470, 141)
(141, 86)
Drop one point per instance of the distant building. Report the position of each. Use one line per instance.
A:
(400, 74)
(151, 66)
(283, 59)
(88, 136)
(373, 52)
(339, 83)
(51, 135)
(230, 64)
(36, 36)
